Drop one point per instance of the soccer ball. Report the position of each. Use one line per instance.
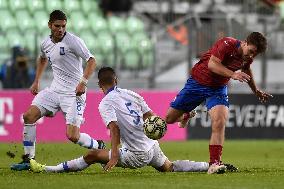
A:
(155, 127)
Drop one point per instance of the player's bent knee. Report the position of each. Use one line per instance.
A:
(166, 167)
(169, 119)
(73, 138)
(218, 125)
(29, 118)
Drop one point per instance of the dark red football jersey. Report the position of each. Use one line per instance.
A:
(226, 49)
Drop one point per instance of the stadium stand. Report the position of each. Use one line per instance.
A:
(138, 39)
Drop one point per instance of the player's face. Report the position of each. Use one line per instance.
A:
(249, 51)
(58, 29)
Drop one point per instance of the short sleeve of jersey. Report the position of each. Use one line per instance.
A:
(81, 49)
(107, 112)
(144, 106)
(221, 48)
(42, 53)
(140, 100)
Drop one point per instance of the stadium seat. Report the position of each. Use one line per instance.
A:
(31, 41)
(3, 44)
(281, 6)
(134, 25)
(127, 53)
(24, 20)
(145, 48)
(106, 44)
(77, 22)
(35, 5)
(90, 6)
(122, 42)
(71, 5)
(9, 21)
(16, 5)
(99, 59)
(44, 34)
(3, 5)
(116, 24)
(41, 20)
(51, 5)
(97, 23)
(90, 40)
(15, 38)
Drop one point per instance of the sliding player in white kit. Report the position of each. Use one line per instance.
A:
(123, 112)
(64, 52)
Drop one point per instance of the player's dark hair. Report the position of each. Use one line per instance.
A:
(258, 40)
(57, 15)
(106, 76)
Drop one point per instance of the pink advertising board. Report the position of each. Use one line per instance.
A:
(14, 103)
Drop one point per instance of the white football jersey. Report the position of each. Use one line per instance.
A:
(127, 108)
(65, 58)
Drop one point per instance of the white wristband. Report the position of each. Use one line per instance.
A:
(84, 81)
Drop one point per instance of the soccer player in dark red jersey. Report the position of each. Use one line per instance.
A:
(228, 58)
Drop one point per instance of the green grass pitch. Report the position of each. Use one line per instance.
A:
(260, 162)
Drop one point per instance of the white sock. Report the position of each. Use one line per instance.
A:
(189, 166)
(87, 142)
(29, 138)
(68, 166)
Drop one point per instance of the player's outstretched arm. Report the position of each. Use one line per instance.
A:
(41, 65)
(115, 141)
(90, 68)
(217, 67)
(261, 95)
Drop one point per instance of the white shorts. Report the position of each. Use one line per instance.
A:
(154, 157)
(50, 102)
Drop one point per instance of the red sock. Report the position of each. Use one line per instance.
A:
(215, 153)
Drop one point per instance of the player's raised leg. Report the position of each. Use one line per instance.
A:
(83, 139)
(183, 118)
(74, 119)
(29, 137)
(218, 115)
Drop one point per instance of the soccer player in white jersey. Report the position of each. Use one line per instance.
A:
(64, 52)
(123, 112)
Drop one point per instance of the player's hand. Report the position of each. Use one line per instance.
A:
(262, 96)
(34, 88)
(241, 76)
(80, 89)
(111, 164)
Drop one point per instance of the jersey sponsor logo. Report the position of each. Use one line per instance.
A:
(62, 51)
